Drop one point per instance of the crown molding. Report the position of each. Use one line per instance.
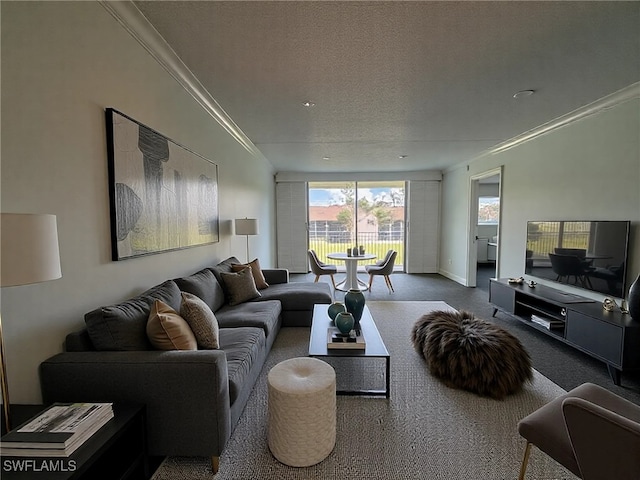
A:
(134, 22)
(424, 175)
(605, 103)
(601, 105)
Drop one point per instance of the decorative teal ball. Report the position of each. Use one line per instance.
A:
(335, 308)
(344, 322)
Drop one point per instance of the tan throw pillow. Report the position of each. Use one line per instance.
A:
(169, 331)
(240, 286)
(201, 319)
(256, 271)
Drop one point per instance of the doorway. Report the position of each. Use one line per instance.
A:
(484, 228)
(370, 214)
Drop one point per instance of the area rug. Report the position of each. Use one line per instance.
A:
(425, 430)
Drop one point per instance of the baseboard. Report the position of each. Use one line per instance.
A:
(451, 276)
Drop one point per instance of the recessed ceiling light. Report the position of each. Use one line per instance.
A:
(326, 158)
(308, 104)
(523, 93)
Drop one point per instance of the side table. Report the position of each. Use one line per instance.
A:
(118, 451)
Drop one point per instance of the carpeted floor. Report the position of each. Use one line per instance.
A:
(424, 431)
(561, 363)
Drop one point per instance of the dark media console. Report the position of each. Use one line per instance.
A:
(611, 337)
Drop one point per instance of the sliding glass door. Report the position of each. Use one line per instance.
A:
(343, 215)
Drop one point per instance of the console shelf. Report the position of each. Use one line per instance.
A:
(544, 310)
(611, 337)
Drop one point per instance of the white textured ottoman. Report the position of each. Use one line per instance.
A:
(302, 411)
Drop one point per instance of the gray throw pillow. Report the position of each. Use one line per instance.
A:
(256, 271)
(202, 321)
(240, 286)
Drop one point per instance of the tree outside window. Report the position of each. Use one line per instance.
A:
(488, 210)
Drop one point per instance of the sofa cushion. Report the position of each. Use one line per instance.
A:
(242, 346)
(203, 284)
(297, 296)
(224, 267)
(201, 319)
(123, 326)
(167, 330)
(240, 286)
(78, 341)
(265, 315)
(256, 271)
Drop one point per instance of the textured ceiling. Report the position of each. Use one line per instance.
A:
(430, 80)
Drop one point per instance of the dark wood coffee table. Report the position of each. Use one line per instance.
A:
(375, 347)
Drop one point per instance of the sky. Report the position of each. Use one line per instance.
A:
(333, 196)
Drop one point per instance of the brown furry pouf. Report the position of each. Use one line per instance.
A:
(472, 354)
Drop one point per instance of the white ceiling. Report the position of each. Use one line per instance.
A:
(430, 80)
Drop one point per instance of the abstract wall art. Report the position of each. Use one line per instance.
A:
(163, 196)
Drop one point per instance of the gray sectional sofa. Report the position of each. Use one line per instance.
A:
(194, 398)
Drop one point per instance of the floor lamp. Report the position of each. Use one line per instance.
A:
(247, 226)
(29, 254)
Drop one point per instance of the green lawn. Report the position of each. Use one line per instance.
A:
(379, 249)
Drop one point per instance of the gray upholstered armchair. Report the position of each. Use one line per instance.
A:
(384, 268)
(590, 431)
(320, 268)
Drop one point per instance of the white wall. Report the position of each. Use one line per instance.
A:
(63, 63)
(487, 231)
(453, 225)
(587, 170)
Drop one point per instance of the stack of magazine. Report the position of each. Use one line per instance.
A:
(337, 340)
(548, 323)
(56, 432)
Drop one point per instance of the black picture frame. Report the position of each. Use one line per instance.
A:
(163, 196)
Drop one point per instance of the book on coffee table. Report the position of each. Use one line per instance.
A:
(337, 340)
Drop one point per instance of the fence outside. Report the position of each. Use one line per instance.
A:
(544, 243)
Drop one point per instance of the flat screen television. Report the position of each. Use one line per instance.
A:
(586, 254)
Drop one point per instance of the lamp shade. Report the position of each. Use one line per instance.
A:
(29, 247)
(246, 226)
